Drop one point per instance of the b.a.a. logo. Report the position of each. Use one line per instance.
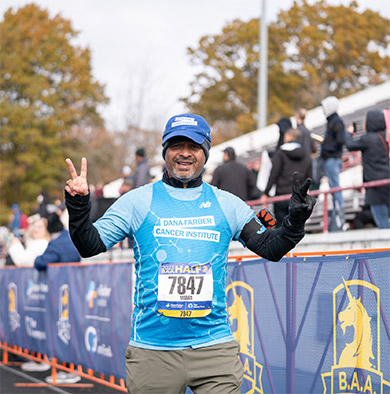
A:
(356, 340)
(63, 325)
(240, 310)
(13, 315)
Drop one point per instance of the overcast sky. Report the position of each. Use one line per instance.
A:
(143, 43)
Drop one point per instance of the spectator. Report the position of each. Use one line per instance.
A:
(235, 177)
(128, 180)
(306, 141)
(60, 248)
(18, 222)
(142, 175)
(331, 152)
(36, 243)
(181, 222)
(287, 160)
(375, 160)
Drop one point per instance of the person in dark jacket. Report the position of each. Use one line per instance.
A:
(288, 159)
(306, 141)
(142, 175)
(331, 152)
(375, 160)
(235, 177)
(60, 248)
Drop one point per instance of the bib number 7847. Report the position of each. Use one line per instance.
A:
(185, 290)
(185, 286)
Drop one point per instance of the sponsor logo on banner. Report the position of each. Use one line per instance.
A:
(63, 325)
(31, 328)
(13, 315)
(356, 340)
(97, 295)
(91, 339)
(93, 345)
(241, 318)
(36, 291)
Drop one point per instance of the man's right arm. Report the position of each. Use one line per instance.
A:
(82, 232)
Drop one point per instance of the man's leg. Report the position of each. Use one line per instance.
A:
(214, 369)
(381, 215)
(155, 371)
(332, 168)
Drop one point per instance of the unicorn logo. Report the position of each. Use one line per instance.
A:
(63, 324)
(358, 352)
(239, 314)
(13, 315)
(356, 341)
(64, 303)
(241, 317)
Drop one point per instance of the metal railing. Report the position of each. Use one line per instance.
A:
(325, 217)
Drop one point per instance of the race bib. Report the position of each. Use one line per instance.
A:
(185, 290)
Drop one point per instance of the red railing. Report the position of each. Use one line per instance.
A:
(366, 185)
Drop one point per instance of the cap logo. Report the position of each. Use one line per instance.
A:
(184, 121)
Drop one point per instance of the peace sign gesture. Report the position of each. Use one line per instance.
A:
(301, 204)
(78, 183)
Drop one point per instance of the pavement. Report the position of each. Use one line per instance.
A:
(13, 380)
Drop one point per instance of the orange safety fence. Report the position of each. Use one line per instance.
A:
(89, 374)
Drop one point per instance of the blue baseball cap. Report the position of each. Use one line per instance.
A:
(191, 126)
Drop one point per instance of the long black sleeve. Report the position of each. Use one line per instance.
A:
(82, 232)
(273, 243)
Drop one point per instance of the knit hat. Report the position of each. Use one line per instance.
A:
(330, 105)
(54, 224)
(189, 126)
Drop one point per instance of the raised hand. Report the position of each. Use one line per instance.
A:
(301, 204)
(78, 183)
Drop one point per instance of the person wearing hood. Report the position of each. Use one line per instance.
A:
(181, 224)
(331, 152)
(290, 157)
(375, 160)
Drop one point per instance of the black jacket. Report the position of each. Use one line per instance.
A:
(237, 179)
(375, 156)
(332, 147)
(289, 158)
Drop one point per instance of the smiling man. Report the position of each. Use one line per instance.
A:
(182, 228)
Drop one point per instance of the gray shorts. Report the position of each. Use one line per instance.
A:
(208, 370)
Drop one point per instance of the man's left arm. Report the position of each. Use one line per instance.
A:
(274, 243)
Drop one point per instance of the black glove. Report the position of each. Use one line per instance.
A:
(301, 204)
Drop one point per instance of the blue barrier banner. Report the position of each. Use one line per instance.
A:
(313, 325)
(305, 325)
(24, 294)
(90, 311)
(86, 319)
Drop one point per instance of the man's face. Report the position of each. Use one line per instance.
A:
(185, 160)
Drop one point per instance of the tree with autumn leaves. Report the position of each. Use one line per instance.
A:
(315, 50)
(48, 102)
